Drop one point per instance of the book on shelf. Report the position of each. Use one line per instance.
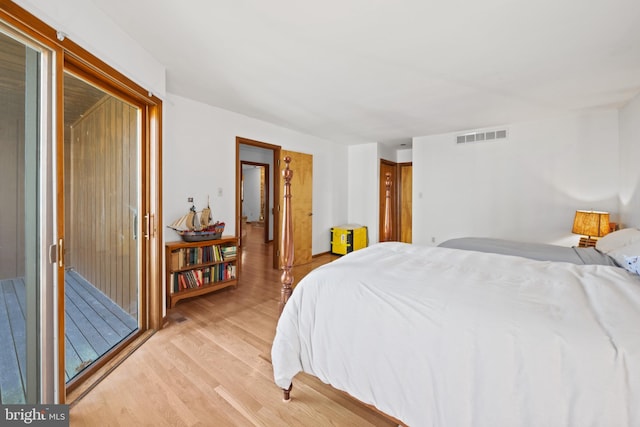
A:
(189, 279)
(185, 257)
(175, 260)
(197, 278)
(230, 271)
(229, 253)
(196, 269)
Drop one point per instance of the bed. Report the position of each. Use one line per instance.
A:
(437, 336)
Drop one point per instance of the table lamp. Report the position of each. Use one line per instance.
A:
(590, 224)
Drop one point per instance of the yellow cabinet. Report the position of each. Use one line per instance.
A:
(348, 238)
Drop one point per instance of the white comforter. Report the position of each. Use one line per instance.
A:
(453, 338)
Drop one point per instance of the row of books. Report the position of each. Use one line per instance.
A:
(185, 257)
(197, 278)
(229, 253)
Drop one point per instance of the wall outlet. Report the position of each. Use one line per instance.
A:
(190, 199)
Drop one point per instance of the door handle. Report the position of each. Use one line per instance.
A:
(60, 253)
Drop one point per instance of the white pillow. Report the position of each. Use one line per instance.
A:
(618, 239)
(632, 264)
(623, 255)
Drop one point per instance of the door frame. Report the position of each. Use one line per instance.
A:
(150, 299)
(275, 149)
(405, 222)
(392, 167)
(397, 225)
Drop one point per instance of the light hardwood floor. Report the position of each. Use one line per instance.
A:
(209, 366)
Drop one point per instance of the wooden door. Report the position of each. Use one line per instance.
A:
(406, 202)
(391, 168)
(400, 200)
(301, 203)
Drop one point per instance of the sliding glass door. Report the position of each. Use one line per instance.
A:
(102, 180)
(26, 327)
(80, 192)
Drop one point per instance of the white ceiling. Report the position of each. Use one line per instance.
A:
(355, 71)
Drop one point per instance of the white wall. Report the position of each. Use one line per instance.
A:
(362, 182)
(364, 178)
(387, 152)
(87, 26)
(199, 140)
(199, 160)
(404, 155)
(524, 188)
(542, 168)
(630, 164)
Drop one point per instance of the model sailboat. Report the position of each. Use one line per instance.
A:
(196, 226)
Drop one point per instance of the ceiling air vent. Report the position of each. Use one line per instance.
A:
(490, 135)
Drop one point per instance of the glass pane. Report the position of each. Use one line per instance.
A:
(18, 220)
(101, 222)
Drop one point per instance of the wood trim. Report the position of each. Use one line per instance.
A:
(59, 132)
(156, 248)
(405, 202)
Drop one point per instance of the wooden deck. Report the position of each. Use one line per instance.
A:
(93, 325)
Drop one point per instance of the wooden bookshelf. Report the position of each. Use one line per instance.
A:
(198, 268)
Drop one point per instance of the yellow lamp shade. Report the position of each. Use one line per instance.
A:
(591, 223)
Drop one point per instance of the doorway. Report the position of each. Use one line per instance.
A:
(256, 196)
(102, 185)
(251, 151)
(401, 208)
(254, 152)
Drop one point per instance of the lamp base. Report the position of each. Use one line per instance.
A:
(587, 242)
